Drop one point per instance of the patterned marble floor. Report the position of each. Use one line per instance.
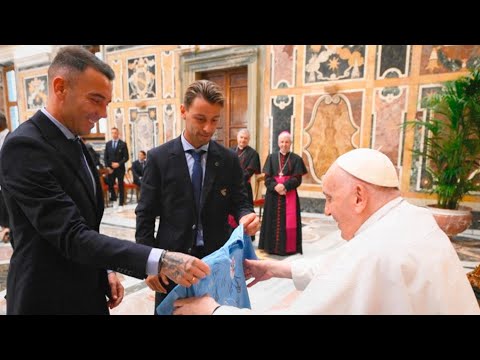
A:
(320, 234)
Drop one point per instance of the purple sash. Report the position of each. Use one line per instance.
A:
(290, 217)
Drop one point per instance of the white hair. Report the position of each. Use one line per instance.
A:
(244, 131)
(285, 133)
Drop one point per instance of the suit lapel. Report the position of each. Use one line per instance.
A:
(178, 162)
(66, 148)
(98, 187)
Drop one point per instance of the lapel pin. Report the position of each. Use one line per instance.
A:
(217, 163)
(223, 192)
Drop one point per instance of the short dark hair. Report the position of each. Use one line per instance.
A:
(143, 152)
(71, 60)
(205, 89)
(3, 121)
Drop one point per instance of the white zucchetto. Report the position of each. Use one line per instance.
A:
(369, 165)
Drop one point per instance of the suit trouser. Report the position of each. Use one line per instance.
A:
(111, 183)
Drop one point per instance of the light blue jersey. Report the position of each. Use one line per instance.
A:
(226, 283)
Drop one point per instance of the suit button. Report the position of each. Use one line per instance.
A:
(189, 250)
(194, 227)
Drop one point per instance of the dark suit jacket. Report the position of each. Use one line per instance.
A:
(250, 164)
(167, 192)
(120, 155)
(93, 154)
(59, 259)
(137, 170)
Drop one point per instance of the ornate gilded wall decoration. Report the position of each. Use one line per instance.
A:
(390, 108)
(420, 179)
(438, 59)
(143, 125)
(36, 91)
(283, 66)
(169, 122)
(141, 77)
(281, 114)
(168, 74)
(393, 61)
(334, 62)
(332, 124)
(117, 67)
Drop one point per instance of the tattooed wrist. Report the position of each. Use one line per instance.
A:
(172, 264)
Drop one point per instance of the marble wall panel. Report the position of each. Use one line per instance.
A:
(141, 77)
(169, 122)
(334, 62)
(283, 66)
(390, 108)
(393, 61)
(143, 123)
(117, 93)
(439, 59)
(420, 179)
(281, 114)
(331, 128)
(168, 74)
(36, 92)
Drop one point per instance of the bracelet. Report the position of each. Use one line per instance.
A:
(160, 262)
(213, 312)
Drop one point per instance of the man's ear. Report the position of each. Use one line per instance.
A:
(182, 111)
(59, 86)
(361, 198)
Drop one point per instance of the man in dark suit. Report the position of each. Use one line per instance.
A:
(60, 261)
(192, 222)
(138, 166)
(116, 155)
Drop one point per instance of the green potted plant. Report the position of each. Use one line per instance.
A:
(452, 145)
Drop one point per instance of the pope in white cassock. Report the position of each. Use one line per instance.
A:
(396, 259)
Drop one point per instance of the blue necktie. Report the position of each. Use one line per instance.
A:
(197, 177)
(114, 145)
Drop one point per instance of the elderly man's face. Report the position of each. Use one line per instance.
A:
(340, 198)
(242, 139)
(284, 143)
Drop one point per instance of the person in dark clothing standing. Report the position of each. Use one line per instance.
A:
(116, 155)
(249, 162)
(281, 232)
(192, 183)
(138, 166)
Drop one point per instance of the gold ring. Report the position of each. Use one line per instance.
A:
(193, 279)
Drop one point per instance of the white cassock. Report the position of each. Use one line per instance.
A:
(399, 262)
